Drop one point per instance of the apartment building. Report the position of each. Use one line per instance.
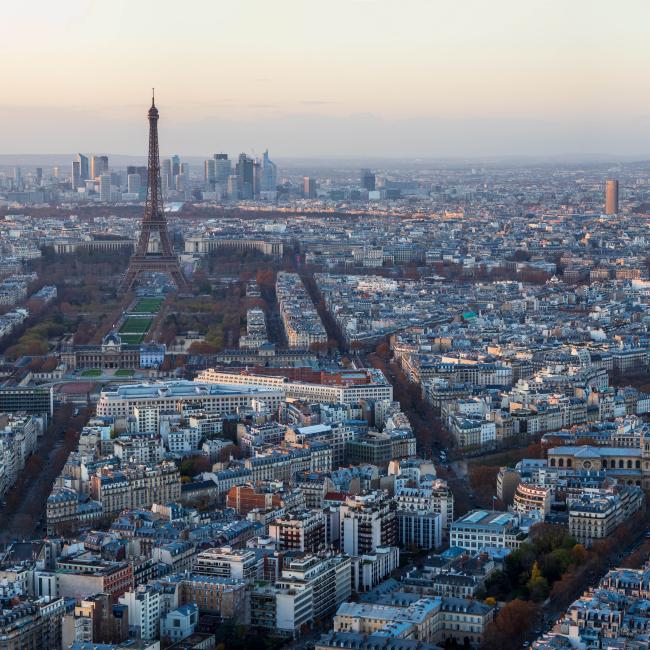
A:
(596, 516)
(68, 511)
(226, 562)
(302, 324)
(415, 621)
(284, 607)
(85, 575)
(215, 595)
(422, 369)
(32, 625)
(35, 400)
(426, 620)
(304, 532)
(18, 440)
(419, 522)
(283, 464)
(144, 610)
(252, 437)
(366, 523)
(256, 335)
(225, 479)
(314, 486)
(179, 623)
(379, 448)
(530, 498)
(310, 589)
(96, 619)
(471, 431)
(358, 641)
(135, 487)
(142, 448)
(329, 578)
(372, 568)
(336, 435)
(176, 556)
(244, 498)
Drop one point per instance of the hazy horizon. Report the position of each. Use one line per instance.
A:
(293, 163)
(362, 78)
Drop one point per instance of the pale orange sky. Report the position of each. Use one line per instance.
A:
(368, 77)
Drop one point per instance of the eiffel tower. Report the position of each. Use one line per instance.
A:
(142, 261)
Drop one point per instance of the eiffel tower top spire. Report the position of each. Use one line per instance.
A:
(154, 199)
(153, 111)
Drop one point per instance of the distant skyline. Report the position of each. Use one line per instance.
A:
(341, 78)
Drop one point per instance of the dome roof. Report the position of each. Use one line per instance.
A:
(112, 338)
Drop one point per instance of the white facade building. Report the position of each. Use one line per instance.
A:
(120, 401)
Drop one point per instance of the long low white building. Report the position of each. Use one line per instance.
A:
(374, 387)
(119, 401)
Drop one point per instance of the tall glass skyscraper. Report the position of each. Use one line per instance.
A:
(269, 180)
(84, 167)
(75, 176)
(222, 168)
(245, 176)
(98, 165)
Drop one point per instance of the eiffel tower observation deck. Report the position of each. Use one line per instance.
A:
(154, 222)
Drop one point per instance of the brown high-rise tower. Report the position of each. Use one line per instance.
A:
(154, 221)
(611, 196)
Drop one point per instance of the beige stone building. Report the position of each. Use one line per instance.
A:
(629, 465)
(135, 487)
(596, 516)
(532, 498)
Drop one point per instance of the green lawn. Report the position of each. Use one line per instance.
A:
(135, 326)
(132, 339)
(92, 372)
(124, 372)
(148, 305)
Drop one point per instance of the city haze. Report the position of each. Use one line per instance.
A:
(342, 78)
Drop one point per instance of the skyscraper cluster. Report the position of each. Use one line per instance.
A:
(246, 178)
(175, 176)
(85, 170)
(250, 178)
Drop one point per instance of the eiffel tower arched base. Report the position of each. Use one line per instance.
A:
(155, 264)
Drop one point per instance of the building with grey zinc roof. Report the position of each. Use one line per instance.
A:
(630, 465)
(377, 641)
(119, 401)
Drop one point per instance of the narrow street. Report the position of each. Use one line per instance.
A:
(23, 511)
(274, 328)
